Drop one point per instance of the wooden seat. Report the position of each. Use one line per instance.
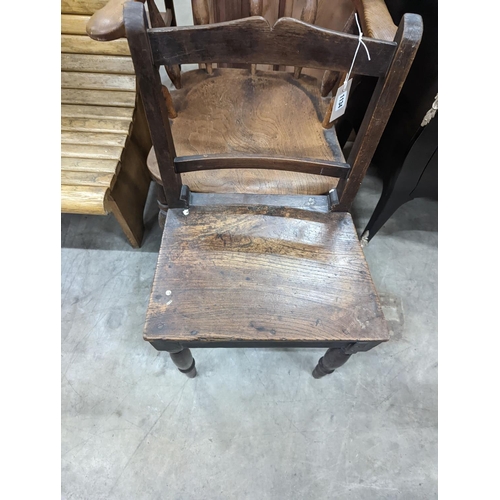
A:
(269, 274)
(104, 136)
(247, 258)
(234, 112)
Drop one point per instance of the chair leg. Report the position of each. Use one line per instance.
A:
(185, 362)
(333, 359)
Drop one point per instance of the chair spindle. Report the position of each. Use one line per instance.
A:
(255, 10)
(308, 15)
(201, 15)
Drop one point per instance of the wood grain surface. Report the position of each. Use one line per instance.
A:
(87, 178)
(91, 151)
(89, 165)
(252, 40)
(95, 125)
(93, 138)
(90, 200)
(98, 97)
(96, 112)
(91, 63)
(82, 6)
(76, 44)
(376, 21)
(235, 113)
(73, 24)
(97, 81)
(262, 274)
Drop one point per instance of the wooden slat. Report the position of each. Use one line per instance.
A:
(252, 40)
(75, 44)
(222, 161)
(97, 81)
(89, 151)
(98, 97)
(97, 112)
(92, 63)
(93, 125)
(87, 178)
(312, 203)
(82, 6)
(89, 165)
(84, 199)
(93, 138)
(74, 24)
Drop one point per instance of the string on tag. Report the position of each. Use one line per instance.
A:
(360, 42)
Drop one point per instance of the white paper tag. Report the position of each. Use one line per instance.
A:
(340, 102)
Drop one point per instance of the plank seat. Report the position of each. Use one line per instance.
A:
(262, 276)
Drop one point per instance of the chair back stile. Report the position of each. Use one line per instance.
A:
(289, 42)
(149, 83)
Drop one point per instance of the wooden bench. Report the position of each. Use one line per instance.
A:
(104, 136)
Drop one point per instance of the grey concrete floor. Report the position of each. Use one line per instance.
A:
(254, 424)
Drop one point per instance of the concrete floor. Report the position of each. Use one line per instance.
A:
(254, 424)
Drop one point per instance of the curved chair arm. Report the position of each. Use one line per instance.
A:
(107, 23)
(375, 19)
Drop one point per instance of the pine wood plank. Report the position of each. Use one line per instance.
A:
(76, 44)
(97, 81)
(82, 6)
(95, 125)
(74, 24)
(92, 63)
(91, 151)
(89, 165)
(90, 200)
(93, 138)
(96, 112)
(72, 178)
(98, 97)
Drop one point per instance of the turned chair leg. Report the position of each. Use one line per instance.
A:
(333, 359)
(185, 362)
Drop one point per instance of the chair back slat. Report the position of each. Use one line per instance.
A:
(252, 41)
(221, 161)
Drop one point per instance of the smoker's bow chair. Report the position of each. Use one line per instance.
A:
(258, 248)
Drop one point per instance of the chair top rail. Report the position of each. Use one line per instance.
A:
(253, 41)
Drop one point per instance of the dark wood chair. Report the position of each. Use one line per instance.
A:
(247, 262)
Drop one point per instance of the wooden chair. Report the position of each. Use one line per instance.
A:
(104, 137)
(259, 248)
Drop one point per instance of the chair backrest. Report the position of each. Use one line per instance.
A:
(252, 41)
